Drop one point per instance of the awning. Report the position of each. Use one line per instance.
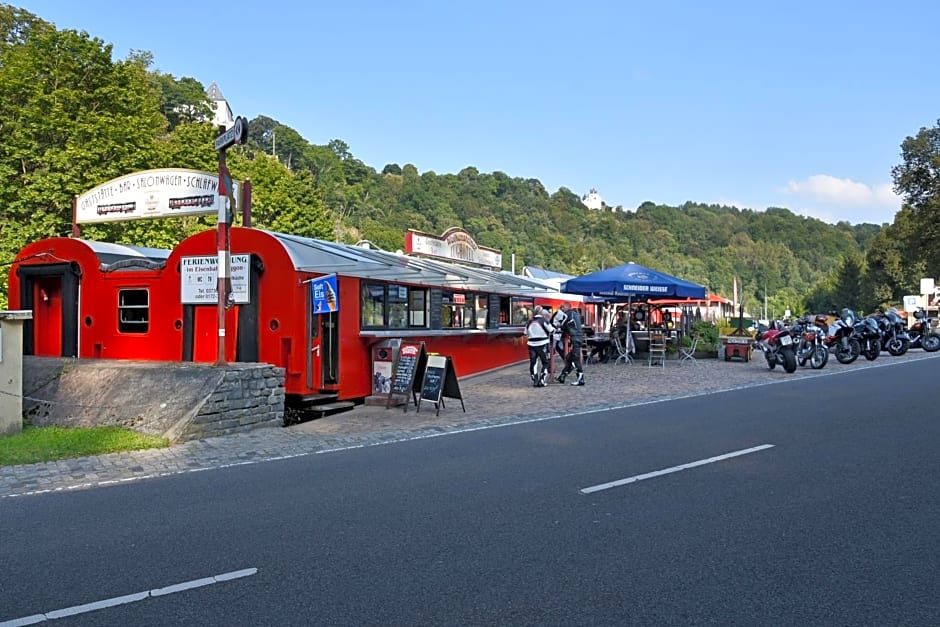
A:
(322, 257)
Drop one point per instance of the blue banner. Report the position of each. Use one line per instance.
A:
(325, 294)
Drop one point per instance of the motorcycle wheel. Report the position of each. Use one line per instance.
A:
(789, 361)
(848, 354)
(874, 349)
(931, 343)
(898, 347)
(771, 360)
(802, 353)
(819, 358)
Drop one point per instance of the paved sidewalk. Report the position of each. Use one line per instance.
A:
(497, 398)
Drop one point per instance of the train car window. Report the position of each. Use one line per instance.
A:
(133, 310)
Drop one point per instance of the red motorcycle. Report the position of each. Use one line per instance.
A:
(776, 343)
(921, 332)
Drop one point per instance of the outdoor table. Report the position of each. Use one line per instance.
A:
(600, 344)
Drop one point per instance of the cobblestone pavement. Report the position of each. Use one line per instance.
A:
(501, 397)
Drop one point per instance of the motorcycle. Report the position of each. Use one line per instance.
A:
(777, 345)
(809, 343)
(894, 337)
(921, 334)
(868, 334)
(840, 337)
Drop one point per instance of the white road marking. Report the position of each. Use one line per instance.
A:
(128, 598)
(666, 471)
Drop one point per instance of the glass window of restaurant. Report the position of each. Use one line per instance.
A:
(418, 306)
(392, 306)
(482, 310)
(458, 310)
(521, 308)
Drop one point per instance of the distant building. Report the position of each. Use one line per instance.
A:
(592, 200)
(549, 277)
(223, 113)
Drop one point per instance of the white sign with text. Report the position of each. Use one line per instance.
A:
(160, 193)
(199, 279)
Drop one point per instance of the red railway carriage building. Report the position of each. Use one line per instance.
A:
(315, 308)
(89, 299)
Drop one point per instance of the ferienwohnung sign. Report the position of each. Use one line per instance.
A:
(159, 193)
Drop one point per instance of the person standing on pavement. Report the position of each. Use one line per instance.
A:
(572, 330)
(538, 335)
(558, 339)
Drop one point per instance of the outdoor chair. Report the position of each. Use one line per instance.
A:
(586, 354)
(657, 354)
(687, 354)
(623, 352)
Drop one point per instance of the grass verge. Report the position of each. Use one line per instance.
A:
(45, 444)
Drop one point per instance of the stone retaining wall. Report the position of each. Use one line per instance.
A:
(178, 401)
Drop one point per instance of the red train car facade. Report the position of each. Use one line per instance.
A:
(89, 299)
(98, 300)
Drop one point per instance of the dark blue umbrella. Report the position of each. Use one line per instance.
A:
(632, 281)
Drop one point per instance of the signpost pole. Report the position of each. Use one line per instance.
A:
(76, 231)
(237, 134)
(222, 244)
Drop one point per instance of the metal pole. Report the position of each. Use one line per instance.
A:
(76, 231)
(246, 204)
(222, 241)
(235, 135)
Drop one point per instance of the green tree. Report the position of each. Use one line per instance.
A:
(283, 201)
(182, 100)
(70, 118)
(917, 180)
(847, 285)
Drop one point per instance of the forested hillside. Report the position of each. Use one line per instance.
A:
(72, 117)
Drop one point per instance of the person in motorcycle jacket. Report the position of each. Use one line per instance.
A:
(538, 334)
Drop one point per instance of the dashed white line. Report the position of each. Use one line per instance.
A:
(666, 471)
(127, 598)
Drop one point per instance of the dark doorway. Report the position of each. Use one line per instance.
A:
(329, 347)
(51, 292)
(246, 348)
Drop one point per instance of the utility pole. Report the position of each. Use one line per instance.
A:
(765, 301)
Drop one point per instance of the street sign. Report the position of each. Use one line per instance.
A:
(237, 134)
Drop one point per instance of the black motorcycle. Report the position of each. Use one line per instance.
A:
(894, 337)
(868, 335)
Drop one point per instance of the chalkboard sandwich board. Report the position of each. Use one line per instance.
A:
(439, 381)
(411, 359)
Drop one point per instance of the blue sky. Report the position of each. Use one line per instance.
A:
(797, 104)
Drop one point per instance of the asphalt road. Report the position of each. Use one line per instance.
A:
(834, 523)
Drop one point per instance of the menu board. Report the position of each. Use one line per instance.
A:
(433, 382)
(435, 303)
(411, 359)
(493, 312)
(439, 381)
